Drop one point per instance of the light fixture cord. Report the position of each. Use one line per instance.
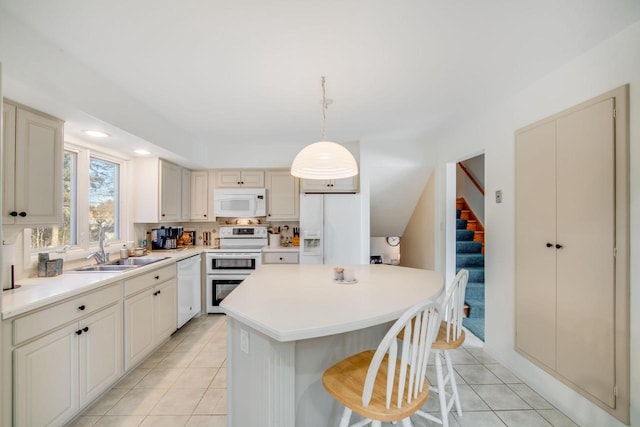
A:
(324, 108)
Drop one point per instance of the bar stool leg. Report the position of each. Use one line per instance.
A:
(346, 416)
(454, 386)
(441, 391)
(407, 422)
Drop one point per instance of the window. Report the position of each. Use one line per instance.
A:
(92, 193)
(48, 237)
(103, 199)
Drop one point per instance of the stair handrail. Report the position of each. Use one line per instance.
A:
(473, 180)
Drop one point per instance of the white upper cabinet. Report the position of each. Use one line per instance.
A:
(186, 195)
(200, 196)
(344, 185)
(32, 151)
(158, 191)
(283, 196)
(239, 178)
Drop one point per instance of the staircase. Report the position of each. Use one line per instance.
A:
(470, 256)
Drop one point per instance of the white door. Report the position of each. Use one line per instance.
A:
(46, 379)
(38, 172)
(165, 316)
(9, 159)
(170, 190)
(199, 195)
(100, 352)
(342, 229)
(138, 327)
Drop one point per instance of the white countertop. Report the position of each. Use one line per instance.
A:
(291, 302)
(37, 292)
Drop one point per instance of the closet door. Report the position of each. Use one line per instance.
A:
(586, 231)
(535, 243)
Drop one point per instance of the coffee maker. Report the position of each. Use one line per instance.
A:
(165, 237)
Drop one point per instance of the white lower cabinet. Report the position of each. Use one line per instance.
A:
(149, 318)
(56, 375)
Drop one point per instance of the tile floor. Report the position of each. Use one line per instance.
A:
(184, 384)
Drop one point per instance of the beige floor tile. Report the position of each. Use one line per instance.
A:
(220, 380)
(153, 360)
(476, 374)
(132, 378)
(480, 419)
(522, 418)
(208, 360)
(85, 421)
(160, 378)
(214, 402)
(556, 418)
(120, 421)
(499, 397)
(207, 421)
(195, 378)
(179, 401)
(106, 402)
(177, 360)
(170, 345)
(137, 401)
(530, 396)
(505, 375)
(165, 421)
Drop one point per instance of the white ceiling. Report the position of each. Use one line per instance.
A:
(246, 73)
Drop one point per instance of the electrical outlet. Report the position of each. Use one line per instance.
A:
(498, 196)
(244, 341)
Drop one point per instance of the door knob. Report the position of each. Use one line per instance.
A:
(549, 245)
(13, 213)
(22, 214)
(558, 246)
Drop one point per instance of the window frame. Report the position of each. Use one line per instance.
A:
(83, 246)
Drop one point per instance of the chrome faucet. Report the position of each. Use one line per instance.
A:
(100, 256)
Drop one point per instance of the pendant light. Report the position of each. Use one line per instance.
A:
(324, 159)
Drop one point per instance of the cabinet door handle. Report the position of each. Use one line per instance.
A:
(205, 215)
(159, 292)
(156, 277)
(82, 307)
(163, 215)
(549, 245)
(22, 214)
(558, 246)
(85, 329)
(280, 258)
(13, 213)
(155, 293)
(79, 332)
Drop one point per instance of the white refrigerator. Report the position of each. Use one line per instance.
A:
(330, 229)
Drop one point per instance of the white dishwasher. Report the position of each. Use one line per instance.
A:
(189, 289)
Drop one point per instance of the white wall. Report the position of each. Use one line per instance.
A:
(611, 64)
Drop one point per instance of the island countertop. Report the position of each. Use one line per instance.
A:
(294, 302)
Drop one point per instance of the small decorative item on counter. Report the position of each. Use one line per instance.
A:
(296, 236)
(274, 240)
(43, 258)
(338, 274)
(54, 267)
(124, 253)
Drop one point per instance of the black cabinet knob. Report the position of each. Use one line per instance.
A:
(22, 214)
(156, 277)
(82, 307)
(205, 215)
(85, 329)
(280, 258)
(549, 245)
(558, 246)
(79, 332)
(13, 213)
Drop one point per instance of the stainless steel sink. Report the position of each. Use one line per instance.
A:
(103, 268)
(136, 262)
(119, 265)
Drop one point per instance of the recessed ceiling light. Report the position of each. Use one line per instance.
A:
(142, 152)
(96, 133)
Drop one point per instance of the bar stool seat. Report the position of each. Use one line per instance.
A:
(387, 384)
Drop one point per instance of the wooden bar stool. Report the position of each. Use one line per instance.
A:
(378, 386)
(450, 336)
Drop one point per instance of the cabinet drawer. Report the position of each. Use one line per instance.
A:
(144, 281)
(42, 321)
(280, 257)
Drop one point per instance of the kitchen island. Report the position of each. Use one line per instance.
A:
(288, 323)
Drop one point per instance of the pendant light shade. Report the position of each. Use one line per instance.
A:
(324, 159)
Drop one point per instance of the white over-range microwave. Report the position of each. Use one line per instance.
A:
(239, 202)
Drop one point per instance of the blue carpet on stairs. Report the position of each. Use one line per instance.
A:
(469, 256)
